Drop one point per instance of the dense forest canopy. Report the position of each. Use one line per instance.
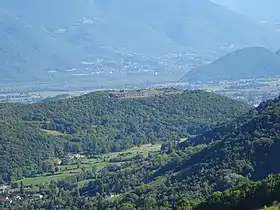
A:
(250, 195)
(99, 122)
(226, 156)
(228, 166)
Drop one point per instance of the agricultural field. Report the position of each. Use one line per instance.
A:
(78, 166)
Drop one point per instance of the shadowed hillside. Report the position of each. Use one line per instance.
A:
(247, 63)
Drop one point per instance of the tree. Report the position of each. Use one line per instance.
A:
(48, 166)
(76, 148)
(21, 188)
(83, 169)
(77, 193)
(15, 185)
(184, 204)
(167, 147)
(150, 203)
(126, 206)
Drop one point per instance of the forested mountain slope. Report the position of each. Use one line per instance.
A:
(231, 155)
(250, 195)
(243, 149)
(251, 140)
(221, 158)
(100, 122)
(23, 148)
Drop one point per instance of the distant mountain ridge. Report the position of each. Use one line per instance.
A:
(69, 32)
(247, 63)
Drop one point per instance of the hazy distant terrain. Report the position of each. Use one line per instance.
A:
(247, 63)
(107, 44)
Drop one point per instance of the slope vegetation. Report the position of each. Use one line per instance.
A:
(98, 123)
(251, 195)
(255, 138)
(240, 150)
(234, 157)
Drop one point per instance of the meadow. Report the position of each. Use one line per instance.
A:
(87, 164)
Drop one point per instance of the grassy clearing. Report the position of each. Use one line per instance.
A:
(88, 163)
(42, 179)
(54, 133)
(83, 183)
(144, 149)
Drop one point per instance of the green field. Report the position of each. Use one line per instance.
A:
(43, 179)
(87, 164)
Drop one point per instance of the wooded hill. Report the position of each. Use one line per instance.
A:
(98, 123)
(233, 155)
(224, 157)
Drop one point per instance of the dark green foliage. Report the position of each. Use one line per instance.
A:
(232, 154)
(23, 148)
(250, 195)
(97, 123)
(249, 144)
(245, 148)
